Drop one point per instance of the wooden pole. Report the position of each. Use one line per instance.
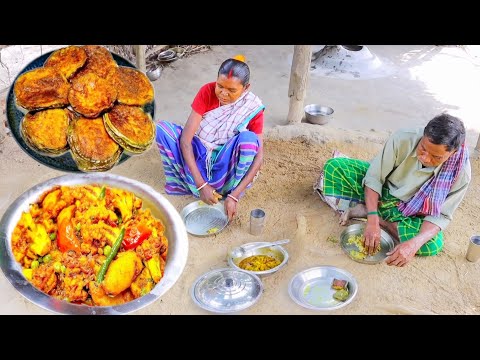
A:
(478, 143)
(140, 55)
(299, 75)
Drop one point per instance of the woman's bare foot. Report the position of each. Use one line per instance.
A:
(358, 211)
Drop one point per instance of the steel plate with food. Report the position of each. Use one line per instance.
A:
(56, 94)
(352, 243)
(203, 220)
(92, 244)
(323, 288)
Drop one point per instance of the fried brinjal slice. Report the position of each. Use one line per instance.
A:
(46, 130)
(41, 88)
(133, 87)
(99, 61)
(338, 284)
(92, 148)
(131, 127)
(67, 60)
(90, 94)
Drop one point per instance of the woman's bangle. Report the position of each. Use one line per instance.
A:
(232, 197)
(372, 213)
(202, 186)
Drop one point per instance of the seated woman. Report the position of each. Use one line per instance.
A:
(220, 149)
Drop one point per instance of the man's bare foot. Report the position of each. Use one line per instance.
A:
(358, 211)
(391, 228)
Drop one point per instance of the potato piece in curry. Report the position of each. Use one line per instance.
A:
(121, 272)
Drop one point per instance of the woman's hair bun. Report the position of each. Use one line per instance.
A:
(240, 57)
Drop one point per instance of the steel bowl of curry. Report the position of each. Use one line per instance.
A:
(92, 244)
(263, 261)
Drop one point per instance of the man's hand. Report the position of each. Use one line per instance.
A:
(230, 208)
(372, 235)
(402, 253)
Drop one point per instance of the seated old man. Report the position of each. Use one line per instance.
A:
(411, 188)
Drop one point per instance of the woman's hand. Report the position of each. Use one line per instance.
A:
(372, 235)
(230, 208)
(209, 195)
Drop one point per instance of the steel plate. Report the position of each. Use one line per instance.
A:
(312, 288)
(202, 219)
(15, 115)
(386, 244)
(160, 207)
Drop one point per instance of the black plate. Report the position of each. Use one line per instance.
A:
(63, 162)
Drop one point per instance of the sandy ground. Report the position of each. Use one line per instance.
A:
(445, 284)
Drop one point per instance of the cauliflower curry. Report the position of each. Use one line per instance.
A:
(91, 245)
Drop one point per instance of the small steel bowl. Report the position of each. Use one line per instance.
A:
(277, 252)
(318, 114)
(166, 55)
(154, 73)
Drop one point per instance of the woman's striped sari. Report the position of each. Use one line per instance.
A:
(230, 163)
